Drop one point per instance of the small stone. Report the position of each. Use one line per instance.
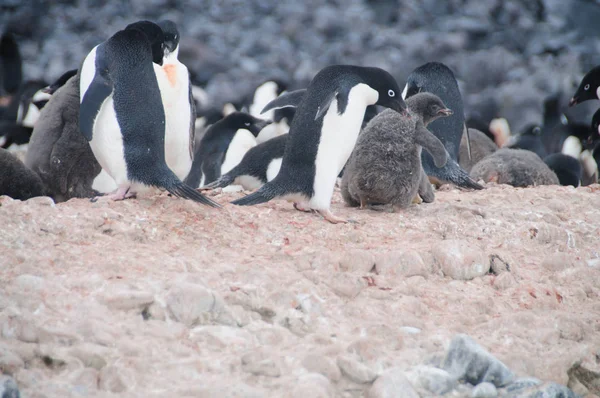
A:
(220, 337)
(85, 380)
(312, 385)
(155, 311)
(193, 305)
(261, 364)
(586, 374)
(113, 379)
(504, 281)
(346, 285)
(9, 361)
(354, 370)
(460, 259)
(410, 330)
(553, 390)
(500, 265)
(127, 299)
(466, 360)
(402, 263)
(29, 283)
(392, 384)
(357, 261)
(323, 365)
(8, 387)
(558, 262)
(484, 390)
(91, 355)
(522, 384)
(61, 334)
(434, 380)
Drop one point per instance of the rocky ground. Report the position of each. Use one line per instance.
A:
(158, 296)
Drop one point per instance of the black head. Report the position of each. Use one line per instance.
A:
(588, 88)
(59, 82)
(154, 35)
(428, 107)
(241, 120)
(423, 74)
(532, 131)
(171, 36)
(390, 95)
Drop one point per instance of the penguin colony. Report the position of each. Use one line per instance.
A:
(128, 120)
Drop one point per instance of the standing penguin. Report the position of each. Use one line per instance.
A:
(589, 88)
(385, 166)
(323, 134)
(223, 147)
(122, 115)
(438, 79)
(263, 95)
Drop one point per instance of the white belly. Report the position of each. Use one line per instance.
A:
(173, 80)
(104, 183)
(273, 168)
(241, 143)
(338, 137)
(107, 143)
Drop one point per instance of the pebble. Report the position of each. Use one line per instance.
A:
(484, 390)
(504, 281)
(193, 305)
(260, 363)
(402, 263)
(91, 355)
(460, 259)
(8, 387)
(346, 285)
(119, 298)
(357, 261)
(558, 262)
(468, 361)
(219, 337)
(114, 379)
(312, 385)
(9, 361)
(322, 365)
(434, 380)
(392, 383)
(84, 381)
(354, 370)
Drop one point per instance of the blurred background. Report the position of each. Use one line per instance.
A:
(508, 55)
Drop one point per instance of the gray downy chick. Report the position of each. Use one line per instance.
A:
(516, 167)
(481, 146)
(385, 167)
(16, 180)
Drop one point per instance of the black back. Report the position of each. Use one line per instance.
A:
(438, 79)
(567, 168)
(213, 146)
(531, 139)
(11, 74)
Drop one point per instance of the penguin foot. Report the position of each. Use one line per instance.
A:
(417, 199)
(302, 206)
(363, 204)
(328, 215)
(120, 194)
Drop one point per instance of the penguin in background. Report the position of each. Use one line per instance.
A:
(259, 165)
(122, 114)
(588, 89)
(567, 168)
(42, 96)
(223, 147)
(11, 73)
(263, 95)
(16, 180)
(323, 133)
(438, 79)
(531, 140)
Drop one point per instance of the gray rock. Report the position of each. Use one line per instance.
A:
(552, 390)
(468, 361)
(323, 365)
(114, 379)
(460, 259)
(260, 363)
(434, 380)
(193, 305)
(484, 390)
(312, 385)
(354, 370)
(392, 383)
(522, 384)
(8, 387)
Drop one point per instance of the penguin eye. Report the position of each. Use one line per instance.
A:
(587, 87)
(391, 93)
(247, 124)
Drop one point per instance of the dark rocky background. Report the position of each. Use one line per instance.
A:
(508, 55)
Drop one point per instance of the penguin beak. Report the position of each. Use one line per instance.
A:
(262, 124)
(445, 112)
(573, 101)
(400, 107)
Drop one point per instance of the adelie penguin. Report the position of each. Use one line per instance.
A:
(438, 79)
(223, 147)
(589, 88)
(122, 113)
(263, 95)
(323, 134)
(385, 166)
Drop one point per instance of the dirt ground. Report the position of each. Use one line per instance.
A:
(161, 297)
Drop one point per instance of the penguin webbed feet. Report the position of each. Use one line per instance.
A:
(119, 194)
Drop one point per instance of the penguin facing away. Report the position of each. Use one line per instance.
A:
(223, 147)
(16, 180)
(438, 79)
(323, 134)
(122, 114)
(259, 165)
(567, 168)
(589, 88)
(385, 166)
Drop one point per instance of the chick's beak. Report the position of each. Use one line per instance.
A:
(445, 112)
(573, 101)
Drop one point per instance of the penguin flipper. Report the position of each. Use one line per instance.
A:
(452, 173)
(324, 105)
(184, 191)
(287, 100)
(433, 145)
(264, 194)
(99, 90)
(224, 181)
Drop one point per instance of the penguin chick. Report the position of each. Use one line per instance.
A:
(516, 167)
(16, 180)
(531, 140)
(385, 166)
(223, 147)
(481, 146)
(567, 168)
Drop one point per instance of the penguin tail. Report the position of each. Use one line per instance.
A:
(264, 194)
(184, 191)
(222, 182)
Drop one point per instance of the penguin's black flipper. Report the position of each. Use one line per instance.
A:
(184, 191)
(264, 194)
(324, 105)
(291, 99)
(224, 181)
(100, 88)
(453, 173)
